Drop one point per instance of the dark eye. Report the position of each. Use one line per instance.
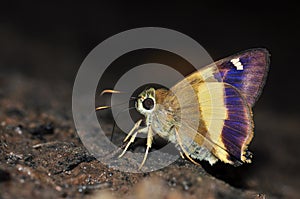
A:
(148, 103)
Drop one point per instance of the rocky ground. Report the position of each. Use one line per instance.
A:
(41, 155)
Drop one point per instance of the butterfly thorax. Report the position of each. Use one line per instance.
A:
(163, 114)
(166, 115)
(165, 120)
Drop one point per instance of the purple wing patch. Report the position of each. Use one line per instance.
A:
(238, 127)
(246, 71)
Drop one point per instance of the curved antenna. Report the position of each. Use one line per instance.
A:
(106, 107)
(109, 91)
(102, 107)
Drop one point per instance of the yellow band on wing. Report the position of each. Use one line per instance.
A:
(214, 112)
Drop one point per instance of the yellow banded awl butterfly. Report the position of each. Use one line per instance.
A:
(225, 94)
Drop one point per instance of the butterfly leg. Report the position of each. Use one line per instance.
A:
(132, 140)
(136, 126)
(149, 144)
(181, 154)
(183, 150)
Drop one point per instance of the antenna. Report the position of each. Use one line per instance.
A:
(110, 91)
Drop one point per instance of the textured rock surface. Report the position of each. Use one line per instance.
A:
(41, 156)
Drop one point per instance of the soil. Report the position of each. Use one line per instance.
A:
(41, 156)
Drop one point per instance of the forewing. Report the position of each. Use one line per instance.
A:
(246, 71)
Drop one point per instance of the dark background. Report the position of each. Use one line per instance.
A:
(47, 42)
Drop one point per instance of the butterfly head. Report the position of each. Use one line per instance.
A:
(145, 103)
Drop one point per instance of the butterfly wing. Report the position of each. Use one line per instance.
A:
(225, 92)
(246, 71)
(228, 120)
(225, 124)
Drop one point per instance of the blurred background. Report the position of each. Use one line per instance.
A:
(47, 42)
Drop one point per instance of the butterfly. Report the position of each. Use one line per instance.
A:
(217, 98)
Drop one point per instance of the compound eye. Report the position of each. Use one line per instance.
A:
(148, 103)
